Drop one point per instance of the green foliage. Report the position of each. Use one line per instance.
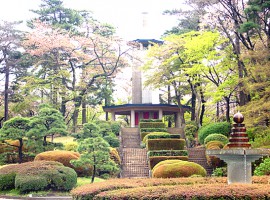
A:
(261, 137)
(220, 172)
(115, 126)
(263, 168)
(153, 130)
(167, 153)
(213, 128)
(150, 120)
(95, 152)
(214, 145)
(177, 168)
(216, 137)
(190, 131)
(155, 135)
(152, 125)
(7, 181)
(71, 146)
(112, 140)
(165, 144)
(156, 159)
(39, 175)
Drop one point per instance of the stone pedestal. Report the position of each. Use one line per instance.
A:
(239, 162)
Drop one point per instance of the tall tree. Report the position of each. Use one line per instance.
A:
(10, 40)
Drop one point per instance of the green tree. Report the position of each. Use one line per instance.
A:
(48, 122)
(15, 129)
(96, 152)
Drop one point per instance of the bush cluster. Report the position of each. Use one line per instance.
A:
(65, 157)
(177, 168)
(214, 161)
(36, 176)
(219, 128)
(173, 188)
(150, 120)
(153, 130)
(114, 155)
(156, 159)
(165, 144)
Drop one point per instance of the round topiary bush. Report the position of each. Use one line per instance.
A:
(217, 128)
(214, 145)
(65, 157)
(37, 176)
(216, 137)
(177, 168)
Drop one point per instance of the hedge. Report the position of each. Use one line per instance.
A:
(153, 130)
(155, 135)
(167, 153)
(151, 120)
(152, 125)
(177, 168)
(36, 176)
(212, 186)
(219, 127)
(65, 157)
(153, 160)
(114, 155)
(165, 144)
(143, 134)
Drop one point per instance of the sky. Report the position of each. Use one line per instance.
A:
(125, 15)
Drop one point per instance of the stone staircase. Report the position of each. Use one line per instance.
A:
(197, 155)
(134, 158)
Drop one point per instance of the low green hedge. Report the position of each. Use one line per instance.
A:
(156, 159)
(167, 153)
(153, 130)
(151, 120)
(152, 125)
(216, 137)
(165, 144)
(177, 168)
(155, 135)
(143, 134)
(7, 181)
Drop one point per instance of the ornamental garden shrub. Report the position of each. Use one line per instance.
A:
(152, 125)
(165, 144)
(65, 157)
(37, 176)
(156, 135)
(216, 137)
(191, 130)
(71, 146)
(167, 153)
(218, 128)
(150, 120)
(177, 168)
(153, 160)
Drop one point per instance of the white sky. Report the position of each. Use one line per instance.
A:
(125, 15)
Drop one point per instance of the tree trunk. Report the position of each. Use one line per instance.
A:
(227, 99)
(20, 150)
(203, 108)
(84, 117)
(193, 106)
(169, 102)
(7, 71)
(94, 171)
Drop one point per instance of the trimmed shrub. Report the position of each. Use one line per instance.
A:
(191, 131)
(219, 128)
(114, 155)
(263, 168)
(7, 181)
(65, 157)
(155, 134)
(115, 126)
(177, 168)
(151, 120)
(214, 145)
(156, 159)
(143, 134)
(216, 137)
(39, 175)
(152, 125)
(165, 144)
(167, 153)
(153, 130)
